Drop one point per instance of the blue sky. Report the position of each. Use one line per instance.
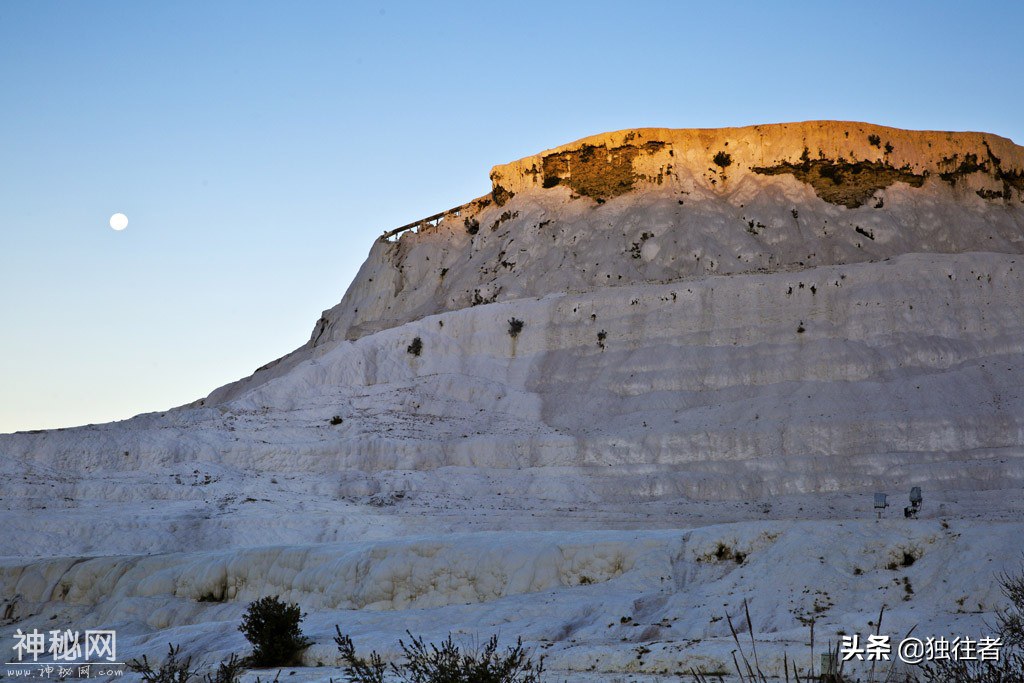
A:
(258, 148)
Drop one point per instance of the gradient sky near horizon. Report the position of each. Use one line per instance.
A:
(258, 148)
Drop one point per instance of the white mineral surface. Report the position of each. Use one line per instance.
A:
(717, 368)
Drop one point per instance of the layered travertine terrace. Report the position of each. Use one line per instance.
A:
(727, 341)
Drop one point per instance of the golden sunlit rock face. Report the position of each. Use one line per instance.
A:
(845, 162)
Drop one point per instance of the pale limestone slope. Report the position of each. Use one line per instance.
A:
(739, 370)
(906, 372)
(704, 330)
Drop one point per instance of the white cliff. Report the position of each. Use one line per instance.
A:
(730, 338)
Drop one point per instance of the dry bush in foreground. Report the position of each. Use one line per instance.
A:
(445, 664)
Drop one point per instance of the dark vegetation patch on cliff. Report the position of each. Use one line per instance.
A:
(505, 216)
(957, 167)
(1014, 178)
(847, 183)
(499, 194)
(596, 171)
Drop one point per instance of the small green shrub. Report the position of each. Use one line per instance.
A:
(416, 347)
(515, 326)
(874, 140)
(723, 159)
(273, 629)
(337, 420)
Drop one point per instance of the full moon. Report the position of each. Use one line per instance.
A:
(119, 221)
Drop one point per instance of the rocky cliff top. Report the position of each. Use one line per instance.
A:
(656, 205)
(845, 162)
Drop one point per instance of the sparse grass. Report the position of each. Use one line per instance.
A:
(228, 671)
(903, 559)
(722, 553)
(1009, 668)
(1010, 628)
(178, 669)
(444, 663)
(1011, 621)
(750, 671)
(174, 668)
